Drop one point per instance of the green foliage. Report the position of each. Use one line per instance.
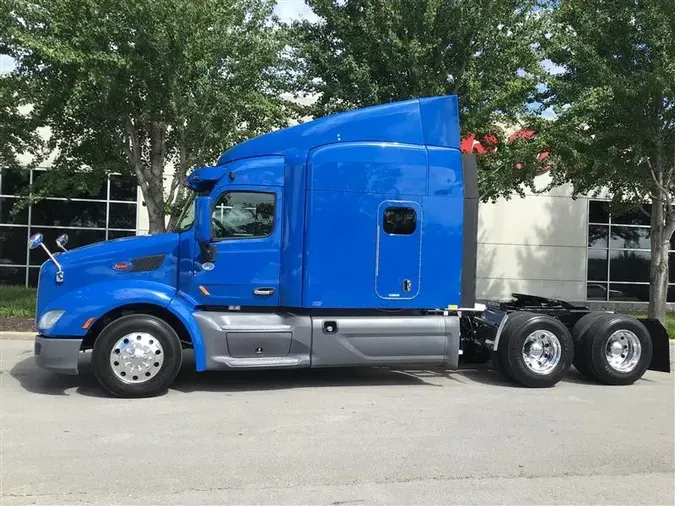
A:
(365, 52)
(141, 87)
(615, 101)
(17, 301)
(615, 98)
(17, 126)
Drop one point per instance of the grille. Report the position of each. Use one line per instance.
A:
(149, 263)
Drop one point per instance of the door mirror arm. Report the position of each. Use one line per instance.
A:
(203, 229)
(207, 252)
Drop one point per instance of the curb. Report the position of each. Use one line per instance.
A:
(17, 336)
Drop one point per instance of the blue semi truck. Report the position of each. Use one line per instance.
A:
(349, 240)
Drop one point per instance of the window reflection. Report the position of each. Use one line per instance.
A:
(619, 254)
(85, 221)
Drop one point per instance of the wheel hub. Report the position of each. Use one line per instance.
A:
(536, 349)
(623, 351)
(542, 351)
(136, 357)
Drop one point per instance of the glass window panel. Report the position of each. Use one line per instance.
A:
(122, 188)
(10, 275)
(597, 236)
(671, 268)
(630, 237)
(243, 215)
(630, 216)
(122, 216)
(33, 275)
(116, 234)
(628, 293)
(6, 206)
(61, 213)
(13, 245)
(598, 211)
(597, 265)
(596, 291)
(14, 181)
(671, 294)
(399, 221)
(89, 186)
(76, 238)
(629, 265)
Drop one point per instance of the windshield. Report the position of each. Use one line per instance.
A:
(187, 215)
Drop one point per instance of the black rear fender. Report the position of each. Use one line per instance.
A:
(660, 344)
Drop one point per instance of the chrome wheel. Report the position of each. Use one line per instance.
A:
(137, 357)
(623, 351)
(542, 351)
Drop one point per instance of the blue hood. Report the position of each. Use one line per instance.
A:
(143, 258)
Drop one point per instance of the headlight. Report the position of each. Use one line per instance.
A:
(49, 319)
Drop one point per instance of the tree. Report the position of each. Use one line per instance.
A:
(145, 87)
(17, 126)
(615, 100)
(365, 52)
(18, 133)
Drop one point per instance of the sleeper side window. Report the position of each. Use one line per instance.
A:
(243, 215)
(400, 220)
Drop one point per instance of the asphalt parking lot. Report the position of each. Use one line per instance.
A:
(334, 437)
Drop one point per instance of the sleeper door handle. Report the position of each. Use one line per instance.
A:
(263, 291)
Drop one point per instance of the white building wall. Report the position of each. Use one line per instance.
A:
(535, 245)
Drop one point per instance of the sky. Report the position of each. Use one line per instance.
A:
(289, 10)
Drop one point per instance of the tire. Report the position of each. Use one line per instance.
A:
(137, 376)
(579, 332)
(513, 322)
(636, 349)
(543, 336)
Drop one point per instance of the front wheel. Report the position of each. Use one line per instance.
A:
(137, 356)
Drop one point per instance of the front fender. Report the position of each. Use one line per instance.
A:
(94, 301)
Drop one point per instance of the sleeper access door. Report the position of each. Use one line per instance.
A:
(399, 245)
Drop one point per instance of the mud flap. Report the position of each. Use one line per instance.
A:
(660, 344)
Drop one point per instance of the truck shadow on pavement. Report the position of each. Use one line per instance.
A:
(38, 381)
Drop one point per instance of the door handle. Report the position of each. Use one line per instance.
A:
(263, 291)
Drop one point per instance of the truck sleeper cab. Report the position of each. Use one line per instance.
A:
(349, 240)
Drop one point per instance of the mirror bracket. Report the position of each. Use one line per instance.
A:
(207, 252)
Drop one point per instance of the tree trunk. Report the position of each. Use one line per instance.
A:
(155, 188)
(658, 278)
(154, 201)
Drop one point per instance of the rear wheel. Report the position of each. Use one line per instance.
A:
(512, 323)
(137, 356)
(579, 332)
(618, 349)
(537, 351)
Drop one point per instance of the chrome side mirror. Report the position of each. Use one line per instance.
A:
(35, 241)
(61, 241)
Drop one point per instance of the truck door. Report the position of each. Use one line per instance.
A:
(246, 232)
(398, 250)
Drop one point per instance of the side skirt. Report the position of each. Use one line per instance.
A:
(237, 340)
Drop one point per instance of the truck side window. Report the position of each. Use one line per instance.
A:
(400, 220)
(243, 215)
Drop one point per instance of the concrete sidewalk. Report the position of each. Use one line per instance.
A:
(17, 336)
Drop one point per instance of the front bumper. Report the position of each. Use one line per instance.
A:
(57, 354)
